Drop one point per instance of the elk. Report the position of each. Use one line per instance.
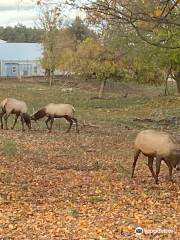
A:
(53, 110)
(159, 145)
(17, 107)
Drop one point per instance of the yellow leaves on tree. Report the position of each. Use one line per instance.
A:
(157, 12)
(94, 58)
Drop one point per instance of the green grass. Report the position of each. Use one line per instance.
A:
(77, 183)
(110, 112)
(8, 146)
(73, 213)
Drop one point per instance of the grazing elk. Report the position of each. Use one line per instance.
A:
(53, 110)
(14, 106)
(159, 145)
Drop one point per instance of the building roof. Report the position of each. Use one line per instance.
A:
(20, 51)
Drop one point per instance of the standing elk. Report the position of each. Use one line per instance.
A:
(53, 110)
(159, 145)
(14, 106)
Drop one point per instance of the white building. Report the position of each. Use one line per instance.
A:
(20, 59)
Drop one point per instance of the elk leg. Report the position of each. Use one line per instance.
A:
(76, 121)
(158, 164)
(136, 155)
(51, 123)
(70, 123)
(1, 118)
(22, 121)
(15, 121)
(47, 120)
(6, 118)
(150, 165)
(170, 169)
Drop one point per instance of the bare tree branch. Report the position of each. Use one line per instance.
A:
(135, 14)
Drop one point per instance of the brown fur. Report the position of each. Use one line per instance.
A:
(54, 110)
(159, 145)
(39, 114)
(27, 119)
(14, 106)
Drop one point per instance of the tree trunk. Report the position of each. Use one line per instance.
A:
(177, 78)
(101, 90)
(50, 81)
(166, 87)
(166, 81)
(51, 78)
(52, 73)
(47, 74)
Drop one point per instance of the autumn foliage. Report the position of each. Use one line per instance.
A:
(70, 186)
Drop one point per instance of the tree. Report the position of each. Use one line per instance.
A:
(170, 61)
(80, 30)
(50, 23)
(93, 58)
(66, 62)
(153, 25)
(20, 33)
(155, 22)
(147, 63)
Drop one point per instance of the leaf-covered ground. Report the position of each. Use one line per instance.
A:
(69, 186)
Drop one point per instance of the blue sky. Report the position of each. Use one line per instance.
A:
(24, 12)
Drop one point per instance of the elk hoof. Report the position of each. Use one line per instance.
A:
(157, 182)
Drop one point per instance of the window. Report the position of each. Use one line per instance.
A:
(25, 72)
(13, 69)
